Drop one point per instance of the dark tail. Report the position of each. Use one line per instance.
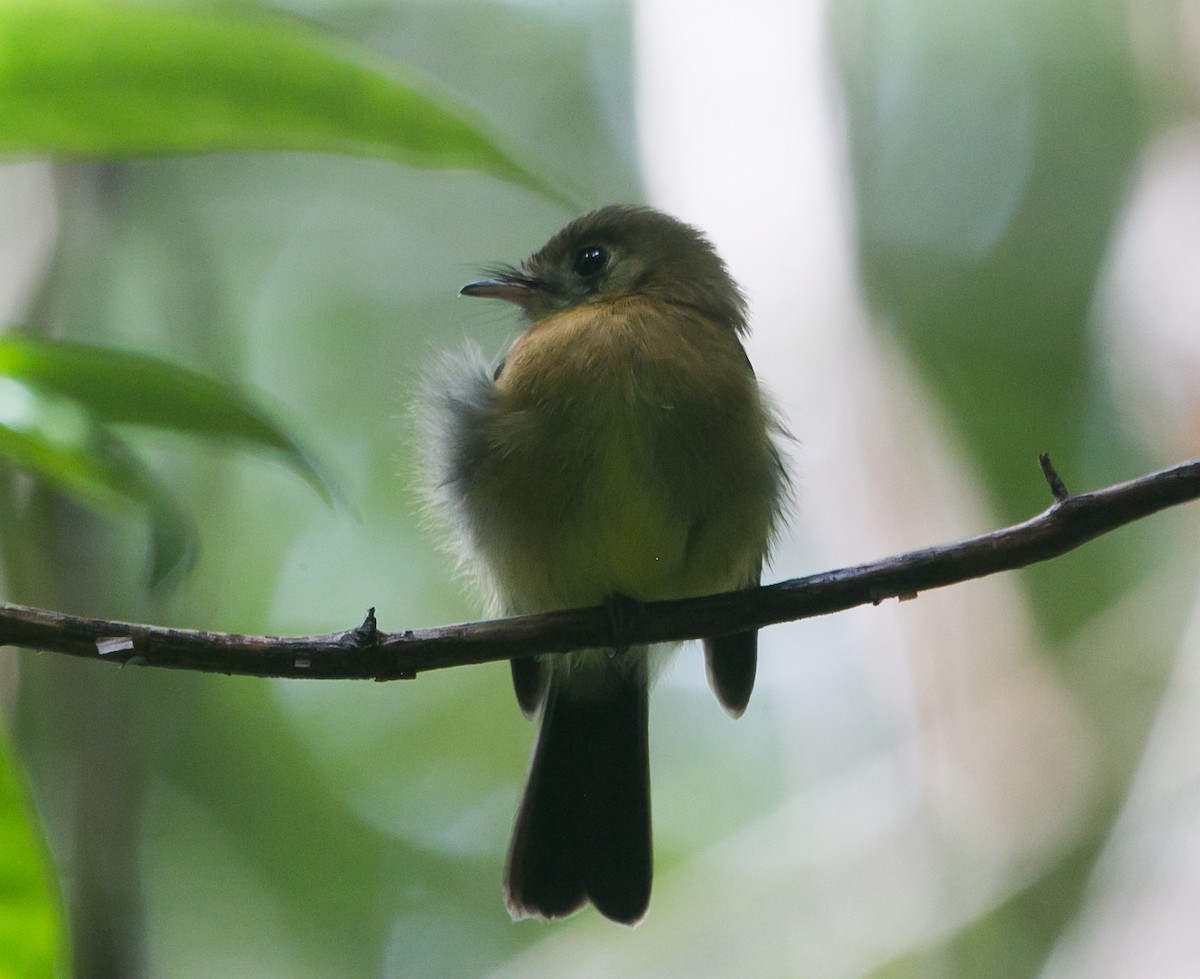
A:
(583, 830)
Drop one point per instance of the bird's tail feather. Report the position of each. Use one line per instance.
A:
(583, 829)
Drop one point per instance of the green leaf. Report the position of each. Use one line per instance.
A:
(95, 79)
(173, 541)
(60, 442)
(31, 927)
(127, 388)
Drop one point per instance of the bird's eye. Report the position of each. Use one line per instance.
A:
(591, 261)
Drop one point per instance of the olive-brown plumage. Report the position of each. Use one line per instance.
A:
(621, 450)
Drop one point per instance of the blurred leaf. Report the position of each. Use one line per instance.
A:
(31, 927)
(173, 542)
(127, 388)
(95, 79)
(58, 440)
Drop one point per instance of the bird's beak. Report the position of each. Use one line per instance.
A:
(511, 287)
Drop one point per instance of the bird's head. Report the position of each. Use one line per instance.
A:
(616, 252)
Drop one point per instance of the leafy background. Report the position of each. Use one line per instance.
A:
(968, 235)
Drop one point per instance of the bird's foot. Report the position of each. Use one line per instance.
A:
(622, 611)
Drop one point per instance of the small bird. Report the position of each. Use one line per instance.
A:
(622, 450)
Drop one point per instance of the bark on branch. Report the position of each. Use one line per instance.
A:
(367, 653)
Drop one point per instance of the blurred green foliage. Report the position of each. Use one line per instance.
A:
(212, 826)
(89, 78)
(58, 399)
(988, 178)
(32, 938)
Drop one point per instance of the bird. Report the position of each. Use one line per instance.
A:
(622, 450)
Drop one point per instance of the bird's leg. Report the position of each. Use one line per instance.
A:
(621, 611)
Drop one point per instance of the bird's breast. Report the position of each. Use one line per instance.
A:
(629, 454)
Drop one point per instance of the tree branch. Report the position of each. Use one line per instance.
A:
(367, 653)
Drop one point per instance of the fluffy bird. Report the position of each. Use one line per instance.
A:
(621, 450)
